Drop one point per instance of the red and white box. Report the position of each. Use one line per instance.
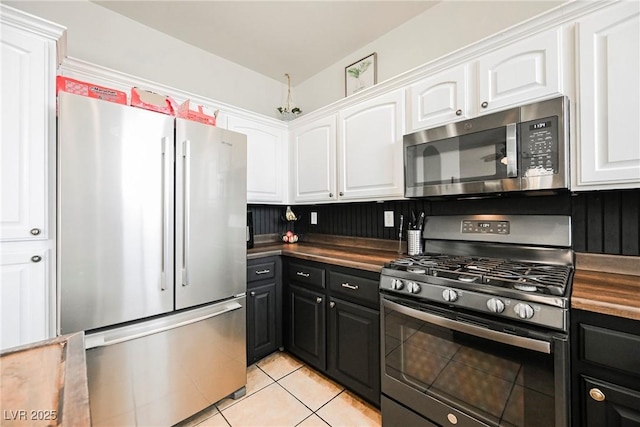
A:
(197, 113)
(91, 90)
(152, 101)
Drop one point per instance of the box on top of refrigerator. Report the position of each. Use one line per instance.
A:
(152, 101)
(197, 113)
(91, 90)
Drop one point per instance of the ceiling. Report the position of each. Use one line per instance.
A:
(300, 37)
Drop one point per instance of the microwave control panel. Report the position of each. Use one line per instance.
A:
(539, 139)
(485, 227)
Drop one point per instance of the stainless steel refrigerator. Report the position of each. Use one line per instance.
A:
(151, 258)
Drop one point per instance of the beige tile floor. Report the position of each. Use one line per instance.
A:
(284, 392)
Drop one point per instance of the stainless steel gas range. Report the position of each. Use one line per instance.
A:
(475, 329)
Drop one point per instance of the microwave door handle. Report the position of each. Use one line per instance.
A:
(512, 151)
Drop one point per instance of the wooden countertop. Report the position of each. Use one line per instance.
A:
(354, 257)
(599, 287)
(45, 383)
(603, 284)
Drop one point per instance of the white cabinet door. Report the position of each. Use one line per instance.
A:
(370, 149)
(520, 72)
(608, 144)
(24, 306)
(438, 99)
(25, 114)
(314, 161)
(267, 160)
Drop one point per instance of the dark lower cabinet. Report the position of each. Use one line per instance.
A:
(605, 365)
(307, 330)
(264, 307)
(332, 322)
(353, 347)
(610, 405)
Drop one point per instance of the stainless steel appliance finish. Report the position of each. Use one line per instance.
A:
(520, 149)
(154, 372)
(126, 187)
(211, 211)
(115, 211)
(475, 328)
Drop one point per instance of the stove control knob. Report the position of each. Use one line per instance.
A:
(449, 295)
(495, 305)
(413, 287)
(397, 284)
(524, 311)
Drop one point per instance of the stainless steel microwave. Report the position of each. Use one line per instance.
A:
(520, 149)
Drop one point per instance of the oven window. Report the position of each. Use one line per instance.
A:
(497, 383)
(474, 157)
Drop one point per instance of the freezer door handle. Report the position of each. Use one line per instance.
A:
(107, 338)
(186, 211)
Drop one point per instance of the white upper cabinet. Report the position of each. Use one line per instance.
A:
(267, 160)
(438, 99)
(313, 155)
(370, 162)
(518, 73)
(607, 149)
(522, 71)
(27, 107)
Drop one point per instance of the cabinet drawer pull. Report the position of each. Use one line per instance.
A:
(597, 395)
(300, 273)
(252, 293)
(318, 300)
(263, 271)
(36, 258)
(350, 286)
(332, 304)
(484, 104)
(35, 231)
(458, 112)
(330, 194)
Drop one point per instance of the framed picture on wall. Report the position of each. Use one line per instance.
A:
(361, 74)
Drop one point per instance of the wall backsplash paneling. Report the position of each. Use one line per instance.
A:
(605, 222)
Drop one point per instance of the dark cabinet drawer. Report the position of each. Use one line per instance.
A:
(261, 271)
(614, 349)
(354, 288)
(306, 274)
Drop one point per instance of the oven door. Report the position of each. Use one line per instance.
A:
(461, 369)
(471, 157)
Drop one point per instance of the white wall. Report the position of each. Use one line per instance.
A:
(444, 28)
(103, 37)
(100, 36)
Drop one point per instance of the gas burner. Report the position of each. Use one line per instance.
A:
(403, 261)
(416, 270)
(525, 288)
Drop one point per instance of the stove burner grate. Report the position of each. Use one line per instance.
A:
(523, 276)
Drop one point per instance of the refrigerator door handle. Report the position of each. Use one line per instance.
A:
(167, 161)
(107, 338)
(186, 183)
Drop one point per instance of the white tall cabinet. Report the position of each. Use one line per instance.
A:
(29, 52)
(608, 149)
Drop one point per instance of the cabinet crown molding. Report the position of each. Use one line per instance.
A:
(41, 27)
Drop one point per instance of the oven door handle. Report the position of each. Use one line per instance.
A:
(514, 340)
